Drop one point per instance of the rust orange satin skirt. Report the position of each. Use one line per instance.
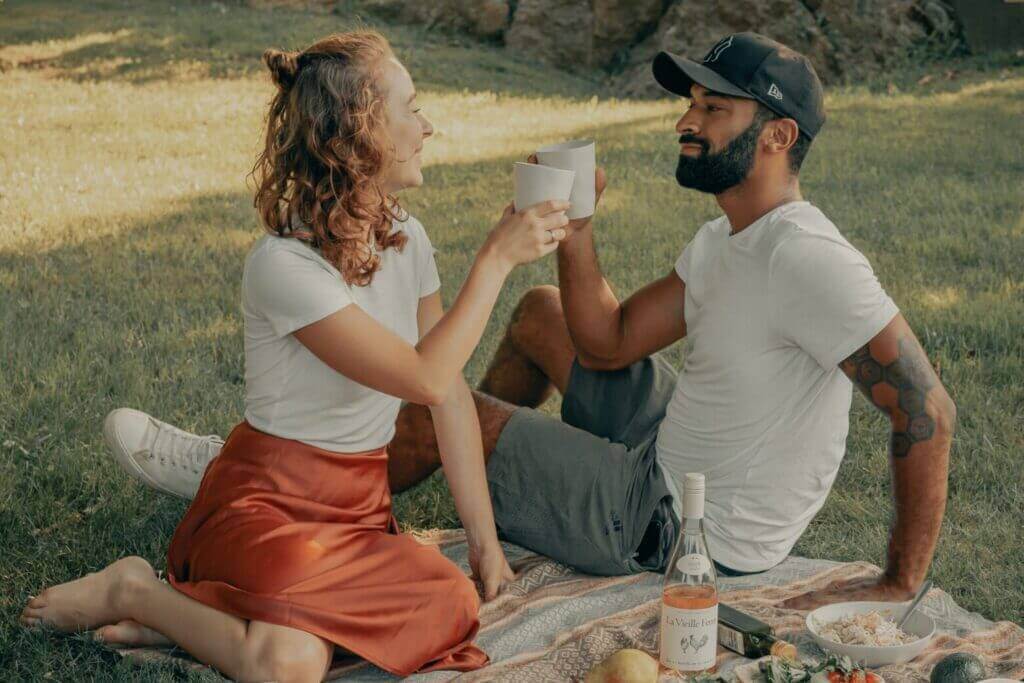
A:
(290, 534)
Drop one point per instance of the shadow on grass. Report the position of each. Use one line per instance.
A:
(152, 40)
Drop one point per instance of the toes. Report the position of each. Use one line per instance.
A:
(30, 622)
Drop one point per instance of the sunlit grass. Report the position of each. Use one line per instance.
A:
(127, 132)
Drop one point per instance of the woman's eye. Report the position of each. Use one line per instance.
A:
(417, 110)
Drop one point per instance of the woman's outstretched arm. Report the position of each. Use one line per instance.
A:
(357, 346)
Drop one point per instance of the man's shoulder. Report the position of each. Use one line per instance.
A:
(805, 239)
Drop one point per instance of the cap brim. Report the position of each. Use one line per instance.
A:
(677, 74)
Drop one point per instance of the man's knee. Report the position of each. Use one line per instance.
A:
(537, 310)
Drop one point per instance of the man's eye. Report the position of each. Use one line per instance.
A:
(712, 107)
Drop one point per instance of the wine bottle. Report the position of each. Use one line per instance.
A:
(689, 599)
(750, 637)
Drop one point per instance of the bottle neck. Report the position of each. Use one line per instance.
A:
(693, 503)
(693, 525)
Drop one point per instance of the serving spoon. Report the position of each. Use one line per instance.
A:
(913, 605)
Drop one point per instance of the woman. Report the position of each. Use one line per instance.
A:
(289, 550)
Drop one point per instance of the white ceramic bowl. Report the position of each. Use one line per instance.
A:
(919, 624)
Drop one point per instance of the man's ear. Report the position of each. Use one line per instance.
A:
(782, 134)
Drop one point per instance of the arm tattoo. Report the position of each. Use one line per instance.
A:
(910, 377)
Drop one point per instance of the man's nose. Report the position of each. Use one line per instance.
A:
(687, 124)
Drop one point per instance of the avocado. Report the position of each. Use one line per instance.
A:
(959, 667)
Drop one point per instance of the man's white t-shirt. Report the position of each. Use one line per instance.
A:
(761, 407)
(291, 393)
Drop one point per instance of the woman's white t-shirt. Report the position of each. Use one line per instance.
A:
(291, 393)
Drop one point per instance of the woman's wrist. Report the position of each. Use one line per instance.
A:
(482, 540)
(494, 260)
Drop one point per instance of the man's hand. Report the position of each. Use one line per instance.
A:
(600, 182)
(491, 568)
(870, 590)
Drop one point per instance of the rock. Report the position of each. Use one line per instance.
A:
(692, 28)
(571, 33)
(869, 36)
(559, 32)
(842, 39)
(619, 24)
(481, 18)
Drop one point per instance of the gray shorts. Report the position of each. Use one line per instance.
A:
(586, 490)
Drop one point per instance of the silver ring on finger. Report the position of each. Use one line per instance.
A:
(551, 236)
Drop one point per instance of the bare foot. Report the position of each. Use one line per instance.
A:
(91, 601)
(131, 633)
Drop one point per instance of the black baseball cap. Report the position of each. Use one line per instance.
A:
(752, 66)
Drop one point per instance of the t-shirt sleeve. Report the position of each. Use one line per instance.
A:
(291, 290)
(430, 280)
(829, 301)
(683, 262)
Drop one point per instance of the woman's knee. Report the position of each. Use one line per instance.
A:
(288, 657)
(463, 598)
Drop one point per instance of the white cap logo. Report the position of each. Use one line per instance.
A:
(718, 49)
(775, 92)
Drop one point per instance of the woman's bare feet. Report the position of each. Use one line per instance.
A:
(131, 633)
(91, 601)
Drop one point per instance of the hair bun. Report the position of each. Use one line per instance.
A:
(284, 66)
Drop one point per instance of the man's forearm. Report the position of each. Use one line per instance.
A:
(894, 373)
(919, 492)
(592, 311)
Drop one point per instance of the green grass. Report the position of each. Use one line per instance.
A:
(125, 137)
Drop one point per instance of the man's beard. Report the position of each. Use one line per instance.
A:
(718, 172)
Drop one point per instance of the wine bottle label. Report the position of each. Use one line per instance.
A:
(731, 639)
(694, 564)
(689, 638)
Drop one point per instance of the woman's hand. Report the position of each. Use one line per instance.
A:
(600, 183)
(490, 567)
(527, 235)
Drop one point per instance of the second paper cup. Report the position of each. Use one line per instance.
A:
(576, 156)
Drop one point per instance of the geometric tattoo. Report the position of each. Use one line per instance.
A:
(910, 377)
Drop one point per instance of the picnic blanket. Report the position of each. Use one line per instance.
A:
(554, 624)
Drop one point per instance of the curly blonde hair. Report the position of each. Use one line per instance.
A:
(319, 175)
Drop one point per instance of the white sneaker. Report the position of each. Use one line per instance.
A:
(158, 454)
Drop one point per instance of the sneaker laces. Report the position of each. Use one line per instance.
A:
(183, 449)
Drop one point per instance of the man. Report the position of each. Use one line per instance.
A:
(782, 314)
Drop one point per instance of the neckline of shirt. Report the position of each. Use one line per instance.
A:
(739, 239)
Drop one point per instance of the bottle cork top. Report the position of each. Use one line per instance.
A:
(693, 496)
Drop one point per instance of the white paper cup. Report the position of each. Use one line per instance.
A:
(536, 184)
(576, 156)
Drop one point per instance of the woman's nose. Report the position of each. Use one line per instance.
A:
(428, 128)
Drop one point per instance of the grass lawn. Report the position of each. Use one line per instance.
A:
(126, 134)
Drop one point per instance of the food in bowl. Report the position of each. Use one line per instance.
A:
(920, 627)
(870, 628)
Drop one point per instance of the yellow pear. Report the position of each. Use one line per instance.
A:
(625, 666)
